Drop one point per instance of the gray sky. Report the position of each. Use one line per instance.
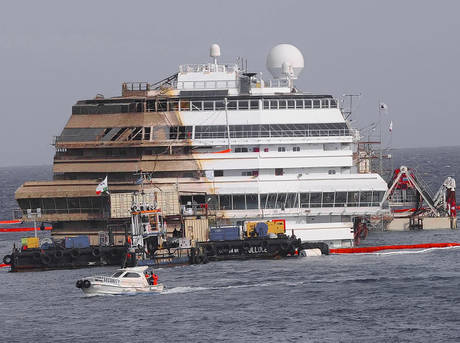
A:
(52, 53)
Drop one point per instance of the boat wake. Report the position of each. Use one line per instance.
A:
(190, 289)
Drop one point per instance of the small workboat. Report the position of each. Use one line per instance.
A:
(123, 281)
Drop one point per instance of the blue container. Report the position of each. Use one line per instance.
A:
(77, 242)
(224, 234)
(69, 242)
(231, 233)
(216, 234)
(81, 242)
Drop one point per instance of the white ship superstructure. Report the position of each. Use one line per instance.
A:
(269, 151)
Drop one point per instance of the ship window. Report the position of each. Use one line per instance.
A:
(305, 200)
(281, 201)
(377, 196)
(218, 173)
(308, 104)
(117, 274)
(241, 149)
(271, 201)
(315, 199)
(266, 104)
(299, 104)
(209, 106)
(231, 105)
(252, 201)
(331, 171)
(196, 105)
(147, 133)
(131, 275)
(340, 199)
(185, 105)
(266, 149)
(255, 173)
(278, 171)
(174, 105)
(225, 202)
(316, 104)
(296, 148)
(291, 200)
(246, 173)
(220, 105)
(255, 149)
(324, 103)
(162, 106)
(239, 202)
(328, 199)
(282, 104)
(243, 105)
(353, 199)
(365, 198)
(274, 104)
(254, 104)
(333, 103)
(281, 149)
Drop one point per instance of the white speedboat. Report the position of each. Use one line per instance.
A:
(123, 281)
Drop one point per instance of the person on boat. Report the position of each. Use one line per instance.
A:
(155, 279)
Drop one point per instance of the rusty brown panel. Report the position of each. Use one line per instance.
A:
(124, 120)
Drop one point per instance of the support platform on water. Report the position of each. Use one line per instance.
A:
(48, 259)
(252, 248)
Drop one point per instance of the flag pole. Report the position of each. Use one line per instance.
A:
(381, 142)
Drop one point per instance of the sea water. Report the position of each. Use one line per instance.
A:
(409, 296)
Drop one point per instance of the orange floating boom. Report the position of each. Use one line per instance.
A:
(392, 247)
(22, 229)
(10, 221)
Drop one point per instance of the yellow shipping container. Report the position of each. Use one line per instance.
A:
(275, 227)
(197, 230)
(33, 242)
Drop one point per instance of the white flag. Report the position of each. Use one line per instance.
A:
(383, 107)
(391, 126)
(103, 187)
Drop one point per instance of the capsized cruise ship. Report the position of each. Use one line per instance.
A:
(212, 143)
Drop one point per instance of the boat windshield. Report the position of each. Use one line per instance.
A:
(117, 274)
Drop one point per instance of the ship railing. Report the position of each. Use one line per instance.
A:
(135, 86)
(163, 105)
(208, 67)
(227, 84)
(105, 279)
(215, 84)
(274, 133)
(20, 213)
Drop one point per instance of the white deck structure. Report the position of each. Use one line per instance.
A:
(269, 151)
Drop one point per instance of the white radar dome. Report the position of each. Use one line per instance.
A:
(214, 51)
(285, 61)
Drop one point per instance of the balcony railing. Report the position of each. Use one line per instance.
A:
(274, 134)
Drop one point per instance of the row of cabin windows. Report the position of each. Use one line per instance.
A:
(64, 205)
(256, 149)
(288, 200)
(278, 172)
(234, 105)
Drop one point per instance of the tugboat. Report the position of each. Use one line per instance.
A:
(124, 281)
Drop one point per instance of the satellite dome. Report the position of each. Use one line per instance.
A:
(285, 61)
(214, 50)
